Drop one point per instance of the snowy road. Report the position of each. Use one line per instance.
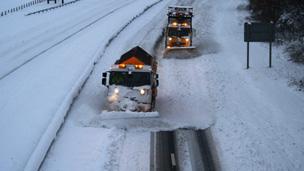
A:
(32, 109)
(117, 145)
(255, 118)
(131, 137)
(45, 37)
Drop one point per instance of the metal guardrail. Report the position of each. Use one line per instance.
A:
(51, 8)
(21, 7)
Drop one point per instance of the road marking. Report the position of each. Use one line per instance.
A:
(173, 159)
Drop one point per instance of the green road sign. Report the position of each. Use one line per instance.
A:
(259, 32)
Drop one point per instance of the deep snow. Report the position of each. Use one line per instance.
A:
(255, 117)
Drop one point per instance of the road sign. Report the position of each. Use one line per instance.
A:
(259, 32)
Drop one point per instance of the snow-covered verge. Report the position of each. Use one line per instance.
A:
(259, 118)
(35, 98)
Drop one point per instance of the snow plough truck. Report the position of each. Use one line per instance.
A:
(179, 31)
(132, 85)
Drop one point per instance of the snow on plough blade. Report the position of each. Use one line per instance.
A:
(181, 48)
(107, 115)
(132, 86)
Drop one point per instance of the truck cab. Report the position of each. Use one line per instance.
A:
(132, 83)
(179, 32)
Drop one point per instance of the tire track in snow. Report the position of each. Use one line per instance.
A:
(48, 138)
(63, 40)
(114, 151)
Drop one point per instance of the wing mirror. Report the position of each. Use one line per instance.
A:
(164, 31)
(104, 75)
(104, 79)
(194, 32)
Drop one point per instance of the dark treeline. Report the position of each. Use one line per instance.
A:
(288, 16)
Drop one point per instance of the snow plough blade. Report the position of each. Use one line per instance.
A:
(181, 48)
(108, 115)
(180, 52)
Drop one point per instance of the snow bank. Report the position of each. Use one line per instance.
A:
(48, 136)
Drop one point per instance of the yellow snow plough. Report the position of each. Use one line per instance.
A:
(132, 85)
(179, 32)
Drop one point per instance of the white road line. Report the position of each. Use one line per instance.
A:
(173, 159)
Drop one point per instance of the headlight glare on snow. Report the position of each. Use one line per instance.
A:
(142, 92)
(116, 90)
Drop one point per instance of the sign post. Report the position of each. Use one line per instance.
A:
(270, 54)
(259, 32)
(247, 55)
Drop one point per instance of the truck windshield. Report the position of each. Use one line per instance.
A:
(134, 79)
(180, 20)
(179, 33)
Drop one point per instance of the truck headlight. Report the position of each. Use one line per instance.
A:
(116, 90)
(142, 92)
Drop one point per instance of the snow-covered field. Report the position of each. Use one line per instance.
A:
(256, 119)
